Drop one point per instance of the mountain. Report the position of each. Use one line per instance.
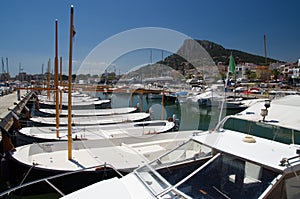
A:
(205, 55)
(218, 54)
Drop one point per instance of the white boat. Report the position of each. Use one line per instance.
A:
(40, 160)
(91, 120)
(91, 112)
(43, 98)
(28, 135)
(207, 98)
(223, 163)
(76, 105)
(65, 93)
(210, 98)
(240, 103)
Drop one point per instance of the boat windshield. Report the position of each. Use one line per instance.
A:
(174, 166)
(265, 130)
(224, 176)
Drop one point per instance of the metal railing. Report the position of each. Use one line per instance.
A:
(105, 165)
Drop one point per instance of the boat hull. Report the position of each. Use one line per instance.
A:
(66, 184)
(29, 135)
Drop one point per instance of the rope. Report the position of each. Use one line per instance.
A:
(27, 174)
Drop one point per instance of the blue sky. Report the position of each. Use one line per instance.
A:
(27, 27)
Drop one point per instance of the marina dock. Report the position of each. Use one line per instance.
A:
(11, 106)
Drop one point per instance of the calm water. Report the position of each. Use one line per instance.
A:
(190, 116)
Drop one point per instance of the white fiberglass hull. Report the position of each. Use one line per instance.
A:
(28, 135)
(93, 112)
(92, 120)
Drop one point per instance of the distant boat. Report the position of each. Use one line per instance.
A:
(43, 98)
(28, 135)
(77, 105)
(154, 96)
(91, 120)
(91, 112)
(208, 98)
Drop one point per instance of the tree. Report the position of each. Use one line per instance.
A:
(275, 73)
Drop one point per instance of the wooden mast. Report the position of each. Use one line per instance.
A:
(70, 88)
(56, 79)
(61, 84)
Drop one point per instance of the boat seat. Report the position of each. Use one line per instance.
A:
(147, 150)
(252, 174)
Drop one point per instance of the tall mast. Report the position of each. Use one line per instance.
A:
(3, 66)
(48, 79)
(265, 49)
(7, 65)
(61, 84)
(70, 87)
(56, 79)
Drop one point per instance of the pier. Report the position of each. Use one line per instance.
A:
(11, 106)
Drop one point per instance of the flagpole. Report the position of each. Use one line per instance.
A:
(70, 87)
(56, 79)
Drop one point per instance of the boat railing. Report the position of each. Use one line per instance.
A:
(47, 179)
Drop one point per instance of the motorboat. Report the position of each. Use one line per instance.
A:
(207, 98)
(222, 163)
(92, 160)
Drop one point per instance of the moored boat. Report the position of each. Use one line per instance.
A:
(91, 120)
(223, 163)
(28, 135)
(123, 153)
(77, 104)
(93, 112)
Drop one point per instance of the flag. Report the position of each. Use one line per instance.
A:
(231, 65)
(73, 31)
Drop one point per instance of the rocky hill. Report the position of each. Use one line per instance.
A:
(218, 54)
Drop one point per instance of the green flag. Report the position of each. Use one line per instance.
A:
(231, 65)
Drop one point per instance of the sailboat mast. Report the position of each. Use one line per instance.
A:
(48, 80)
(70, 88)
(61, 85)
(7, 65)
(56, 79)
(265, 49)
(3, 66)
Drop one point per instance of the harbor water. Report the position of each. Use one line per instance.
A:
(190, 116)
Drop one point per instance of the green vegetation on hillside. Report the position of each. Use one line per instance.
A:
(219, 54)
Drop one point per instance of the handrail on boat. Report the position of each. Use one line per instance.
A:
(105, 165)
